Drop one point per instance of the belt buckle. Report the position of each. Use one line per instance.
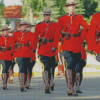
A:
(48, 40)
(22, 45)
(73, 35)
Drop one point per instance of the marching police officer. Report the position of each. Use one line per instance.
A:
(32, 60)
(69, 27)
(46, 31)
(10, 34)
(6, 52)
(94, 33)
(22, 52)
(81, 64)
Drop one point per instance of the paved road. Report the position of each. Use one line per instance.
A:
(90, 87)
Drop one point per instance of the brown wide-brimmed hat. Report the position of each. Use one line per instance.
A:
(11, 31)
(5, 27)
(23, 22)
(70, 2)
(29, 24)
(47, 11)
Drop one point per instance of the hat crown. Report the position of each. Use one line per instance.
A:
(11, 31)
(70, 1)
(4, 27)
(47, 10)
(29, 24)
(23, 21)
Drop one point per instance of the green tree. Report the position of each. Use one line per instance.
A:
(1, 7)
(90, 7)
(80, 7)
(59, 4)
(1, 13)
(38, 6)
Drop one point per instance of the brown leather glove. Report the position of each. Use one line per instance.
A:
(53, 49)
(93, 52)
(34, 50)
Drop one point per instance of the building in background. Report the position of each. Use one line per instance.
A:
(13, 14)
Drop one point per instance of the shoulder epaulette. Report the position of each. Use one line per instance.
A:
(16, 30)
(39, 23)
(53, 21)
(62, 16)
(96, 13)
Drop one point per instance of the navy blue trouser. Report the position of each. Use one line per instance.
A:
(5, 64)
(32, 63)
(12, 65)
(49, 63)
(71, 59)
(23, 64)
(80, 66)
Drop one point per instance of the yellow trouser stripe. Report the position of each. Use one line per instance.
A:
(43, 67)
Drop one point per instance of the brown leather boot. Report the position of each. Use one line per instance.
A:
(4, 79)
(27, 84)
(70, 83)
(51, 83)
(78, 80)
(66, 78)
(22, 80)
(81, 78)
(10, 76)
(45, 78)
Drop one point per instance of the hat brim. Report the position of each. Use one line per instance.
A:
(22, 24)
(47, 13)
(10, 31)
(5, 29)
(31, 25)
(70, 4)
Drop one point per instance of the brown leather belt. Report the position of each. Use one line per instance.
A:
(3, 49)
(18, 46)
(68, 35)
(97, 33)
(44, 41)
(74, 35)
(47, 40)
(23, 45)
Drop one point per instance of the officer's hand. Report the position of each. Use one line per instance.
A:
(34, 50)
(11, 54)
(53, 49)
(93, 52)
(3, 50)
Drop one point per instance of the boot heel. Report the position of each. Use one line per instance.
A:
(5, 88)
(22, 89)
(52, 88)
(47, 91)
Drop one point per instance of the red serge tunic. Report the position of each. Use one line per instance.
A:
(33, 45)
(45, 50)
(74, 43)
(22, 38)
(6, 42)
(94, 26)
(82, 37)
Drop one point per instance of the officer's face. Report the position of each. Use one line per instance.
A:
(47, 17)
(5, 32)
(28, 28)
(71, 8)
(10, 34)
(23, 27)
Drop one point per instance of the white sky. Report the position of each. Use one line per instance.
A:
(12, 2)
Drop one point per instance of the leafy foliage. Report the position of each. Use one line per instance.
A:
(85, 7)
